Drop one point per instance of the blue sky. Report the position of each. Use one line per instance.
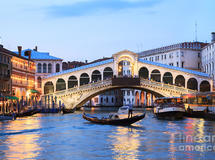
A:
(91, 29)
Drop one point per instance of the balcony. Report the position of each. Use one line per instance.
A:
(5, 77)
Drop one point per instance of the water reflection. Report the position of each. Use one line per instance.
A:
(126, 143)
(22, 139)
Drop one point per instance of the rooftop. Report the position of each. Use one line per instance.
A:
(4, 50)
(35, 55)
(80, 68)
(175, 68)
(184, 45)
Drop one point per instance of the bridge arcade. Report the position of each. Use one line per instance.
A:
(154, 72)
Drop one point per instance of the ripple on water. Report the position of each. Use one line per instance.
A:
(56, 136)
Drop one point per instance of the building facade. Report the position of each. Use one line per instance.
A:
(208, 58)
(108, 98)
(5, 72)
(45, 65)
(185, 55)
(23, 74)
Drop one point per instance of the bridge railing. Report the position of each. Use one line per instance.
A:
(109, 82)
(85, 86)
(168, 86)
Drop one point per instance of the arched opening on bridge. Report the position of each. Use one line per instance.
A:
(205, 86)
(167, 78)
(144, 73)
(60, 85)
(124, 68)
(48, 88)
(96, 76)
(137, 98)
(180, 81)
(84, 79)
(156, 75)
(72, 82)
(107, 73)
(192, 84)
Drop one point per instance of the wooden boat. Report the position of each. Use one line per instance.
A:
(5, 117)
(170, 108)
(114, 121)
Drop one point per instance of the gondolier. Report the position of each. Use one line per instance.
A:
(130, 110)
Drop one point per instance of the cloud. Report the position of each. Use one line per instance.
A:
(97, 6)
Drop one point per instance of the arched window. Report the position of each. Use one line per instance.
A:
(49, 68)
(205, 86)
(156, 76)
(39, 68)
(84, 79)
(192, 84)
(167, 78)
(96, 76)
(107, 73)
(60, 85)
(48, 88)
(39, 82)
(180, 81)
(144, 73)
(57, 67)
(72, 82)
(44, 68)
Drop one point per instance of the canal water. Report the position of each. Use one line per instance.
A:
(56, 136)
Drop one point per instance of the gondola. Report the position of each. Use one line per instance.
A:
(115, 121)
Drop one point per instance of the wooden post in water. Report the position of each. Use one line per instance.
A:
(48, 101)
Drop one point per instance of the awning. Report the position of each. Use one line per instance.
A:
(34, 91)
(12, 97)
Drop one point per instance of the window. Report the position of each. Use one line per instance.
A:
(49, 68)
(161, 57)
(39, 82)
(57, 67)
(165, 56)
(39, 68)
(182, 54)
(182, 64)
(44, 68)
(177, 64)
(128, 93)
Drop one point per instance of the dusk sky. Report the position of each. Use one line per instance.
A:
(92, 29)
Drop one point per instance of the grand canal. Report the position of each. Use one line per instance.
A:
(56, 136)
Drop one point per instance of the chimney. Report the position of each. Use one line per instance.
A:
(20, 50)
(29, 54)
(213, 37)
(35, 49)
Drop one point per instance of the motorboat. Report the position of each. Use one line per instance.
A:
(169, 108)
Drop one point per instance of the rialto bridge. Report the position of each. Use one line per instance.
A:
(76, 86)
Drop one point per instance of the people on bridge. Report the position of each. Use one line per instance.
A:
(130, 110)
